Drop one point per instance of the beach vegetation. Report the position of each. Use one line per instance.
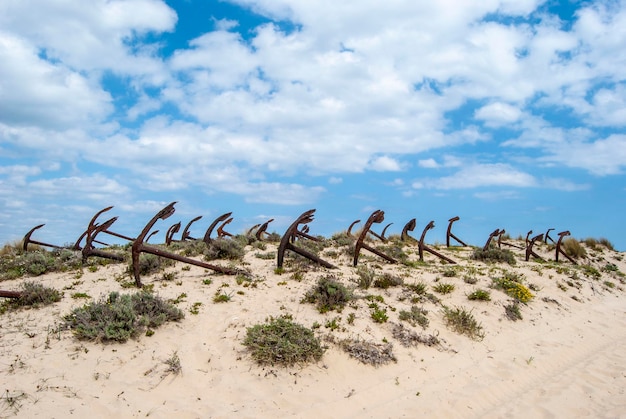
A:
(416, 315)
(444, 288)
(479, 295)
(119, 317)
(387, 280)
(368, 352)
(280, 341)
(328, 294)
(463, 322)
(513, 289)
(222, 248)
(409, 338)
(493, 254)
(512, 311)
(572, 248)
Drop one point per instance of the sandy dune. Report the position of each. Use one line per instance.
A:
(566, 358)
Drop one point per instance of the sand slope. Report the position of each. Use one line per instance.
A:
(564, 359)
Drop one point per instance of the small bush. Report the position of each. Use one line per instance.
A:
(365, 277)
(387, 280)
(33, 295)
(283, 342)
(462, 321)
(221, 248)
(591, 272)
(443, 288)
(513, 289)
(342, 239)
(417, 315)
(369, 352)
(409, 338)
(572, 248)
(494, 255)
(379, 315)
(328, 294)
(479, 295)
(606, 243)
(120, 317)
(513, 312)
(419, 288)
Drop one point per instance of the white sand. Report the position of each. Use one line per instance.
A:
(566, 358)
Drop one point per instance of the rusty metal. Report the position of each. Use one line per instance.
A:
(10, 294)
(547, 236)
(530, 244)
(423, 247)
(169, 235)
(385, 231)
(562, 235)
(140, 247)
(500, 242)
(450, 234)
(377, 217)
(352, 225)
(292, 232)
(28, 240)
(186, 235)
(90, 250)
(92, 226)
(495, 233)
(207, 236)
(220, 230)
(410, 226)
(263, 229)
(151, 234)
(253, 229)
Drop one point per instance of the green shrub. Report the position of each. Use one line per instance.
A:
(387, 280)
(572, 248)
(417, 315)
(32, 295)
(120, 317)
(513, 312)
(463, 322)
(379, 315)
(328, 294)
(283, 342)
(479, 295)
(222, 248)
(513, 289)
(365, 277)
(443, 288)
(494, 254)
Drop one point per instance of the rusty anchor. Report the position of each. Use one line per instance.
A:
(493, 234)
(221, 233)
(286, 242)
(10, 294)
(377, 217)
(186, 235)
(410, 226)
(423, 247)
(151, 234)
(530, 243)
(169, 234)
(500, 242)
(222, 218)
(140, 247)
(547, 236)
(28, 240)
(92, 226)
(450, 234)
(263, 229)
(355, 222)
(90, 250)
(562, 235)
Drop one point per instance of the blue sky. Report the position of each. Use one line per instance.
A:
(510, 114)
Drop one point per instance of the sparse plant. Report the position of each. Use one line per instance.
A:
(173, 365)
(328, 294)
(35, 295)
(463, 322)
(416, 315)
(591, 271)
(493, 254)
(387, 280)
(512, 311)
(283, 342)
(419, 288)
(78, 295)
(443, 288)
(120, 317)
(513, 289)
(333, 324)
(368, 352)
(479, 295)
(379, 315)
(221, 297)
(572, 248)
(365, 277)
(408, 338)
(222, 248)
(195, 308)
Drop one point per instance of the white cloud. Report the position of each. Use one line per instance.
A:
(480, 175)
(498, 114)
(385, 164)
